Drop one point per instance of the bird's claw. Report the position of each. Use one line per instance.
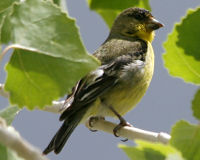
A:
(124, 140)
(93, 130)
(92, 120)
(122, 124)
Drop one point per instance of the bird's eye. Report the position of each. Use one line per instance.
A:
(129, 32)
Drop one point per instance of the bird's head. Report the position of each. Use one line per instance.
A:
(136, 22)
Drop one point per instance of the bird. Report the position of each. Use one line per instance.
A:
(119, 83)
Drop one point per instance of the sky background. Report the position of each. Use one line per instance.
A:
(167, 100)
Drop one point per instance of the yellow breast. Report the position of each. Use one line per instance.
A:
(125, 96)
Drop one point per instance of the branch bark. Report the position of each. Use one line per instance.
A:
(130, 133)
(11, 138)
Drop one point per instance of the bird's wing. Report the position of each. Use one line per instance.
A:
(88, 90)
(96, 83)
(105, 77)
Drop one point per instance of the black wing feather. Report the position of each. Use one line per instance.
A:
(73, 114)
(84, 95)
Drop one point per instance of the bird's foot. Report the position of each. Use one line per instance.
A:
(124, 140)
(122, 124)
(92, 120)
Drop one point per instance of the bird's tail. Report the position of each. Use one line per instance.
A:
(62, 135)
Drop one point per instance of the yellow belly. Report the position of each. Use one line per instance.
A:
(125, 96)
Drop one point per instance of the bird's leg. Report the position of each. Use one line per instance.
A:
(122, 123)
(94, 118)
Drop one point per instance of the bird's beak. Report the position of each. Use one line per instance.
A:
(153, 24)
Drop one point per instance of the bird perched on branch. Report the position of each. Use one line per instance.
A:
(113, 89)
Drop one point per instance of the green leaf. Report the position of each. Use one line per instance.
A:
(118, 4)
(2, 17)
(49, 57)
(4, 4)
(196, 105)
(5, 27)
(5, 11)
(9, 114)
(110, 9)
(43, 77)
(57, 2)
(186, 138)
(182, 57)
(8, 154)
(151, 151)
(108, 16)
(42, 26)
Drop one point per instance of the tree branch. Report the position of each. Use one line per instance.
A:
(11, 138)
(131, 133)
(126, 132)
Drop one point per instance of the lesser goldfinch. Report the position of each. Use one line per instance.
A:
(113, 89)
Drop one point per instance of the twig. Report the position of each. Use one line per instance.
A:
(128, 132)
(56, 107)
(3, 92)
(10, 138)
